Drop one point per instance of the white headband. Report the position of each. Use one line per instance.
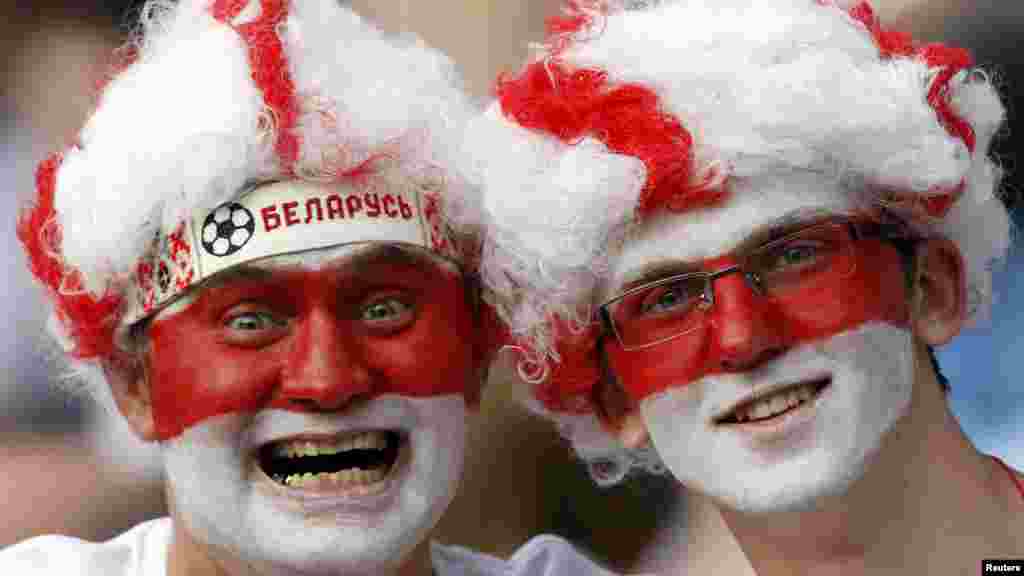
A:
(278, 218)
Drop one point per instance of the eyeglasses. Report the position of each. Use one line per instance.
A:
(671, 307)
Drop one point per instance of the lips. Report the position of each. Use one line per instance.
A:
(773, 403)
(352, 460)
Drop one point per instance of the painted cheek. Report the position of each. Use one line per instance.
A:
(650, 370)
(873, 291)
(434, 357)
(194, 376)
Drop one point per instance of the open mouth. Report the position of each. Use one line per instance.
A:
(775, 403)
(352, 460)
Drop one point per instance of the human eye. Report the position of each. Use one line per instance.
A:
(798, 253)
(253, 328)
(797, 259)
(387, 313)
(667, 298)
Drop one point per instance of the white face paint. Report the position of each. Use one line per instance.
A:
(826, 446)
(226, 501)
(821, 454)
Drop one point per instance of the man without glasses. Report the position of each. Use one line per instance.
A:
(736, 230)
(264, 259)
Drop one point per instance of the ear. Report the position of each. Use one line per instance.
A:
(129, 385)
(939, 299)
(619, 414)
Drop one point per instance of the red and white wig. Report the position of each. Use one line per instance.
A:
(209, 98)
(636, 108)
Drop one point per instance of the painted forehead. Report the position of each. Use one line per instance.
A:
(355, 255)
(714, 231)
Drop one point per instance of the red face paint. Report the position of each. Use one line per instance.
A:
(744, 328)
(317, 337)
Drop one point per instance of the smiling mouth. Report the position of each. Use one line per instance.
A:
(775, 403)
(360, 459)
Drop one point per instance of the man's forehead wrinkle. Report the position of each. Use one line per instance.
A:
(316, 260)
(353, 259)
(241, 273)
(376, 254)
(354, 256)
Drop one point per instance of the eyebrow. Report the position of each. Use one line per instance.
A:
(654, 271)
(377, 254)
(764, 232)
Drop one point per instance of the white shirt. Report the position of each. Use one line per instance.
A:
(544, 555)
(142, 551)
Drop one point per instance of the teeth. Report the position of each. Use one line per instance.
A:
(298, 479)
(775, 404)
(327, 447)
(350, 477)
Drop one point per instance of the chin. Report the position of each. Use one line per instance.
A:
(816, 451)
(227, 504)
(788, 492)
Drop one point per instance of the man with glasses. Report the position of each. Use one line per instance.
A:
(735, 230)
(260, 258)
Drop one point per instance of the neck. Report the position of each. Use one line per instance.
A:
(695, 541)
(929, 500)
(189, 557)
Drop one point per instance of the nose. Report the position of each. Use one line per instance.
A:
(747, 328)
(325, 369)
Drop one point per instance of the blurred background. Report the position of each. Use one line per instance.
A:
(68, 468)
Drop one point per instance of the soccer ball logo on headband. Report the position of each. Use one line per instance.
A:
(227, 229)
